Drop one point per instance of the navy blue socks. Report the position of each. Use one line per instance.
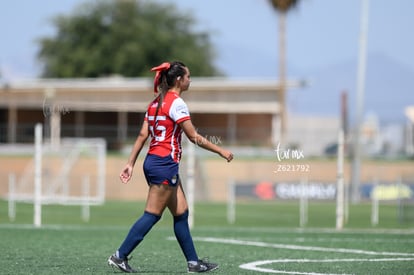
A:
(144, 224)
(183, 235)
(137, 233)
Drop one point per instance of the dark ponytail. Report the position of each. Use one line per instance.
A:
(165, 80)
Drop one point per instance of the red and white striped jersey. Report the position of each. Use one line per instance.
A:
(164, 128)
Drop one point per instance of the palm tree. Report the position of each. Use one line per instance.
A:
(282, 7)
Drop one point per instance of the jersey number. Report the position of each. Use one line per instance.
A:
(160, 128)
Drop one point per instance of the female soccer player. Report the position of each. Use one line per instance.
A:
(165, 120)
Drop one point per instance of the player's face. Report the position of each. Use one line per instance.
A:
(185, 80)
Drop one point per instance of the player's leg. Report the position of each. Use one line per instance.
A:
(178, 207)
(161, 174)
(158, 197)
(178, 202)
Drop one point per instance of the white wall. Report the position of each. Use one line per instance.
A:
(312, 134)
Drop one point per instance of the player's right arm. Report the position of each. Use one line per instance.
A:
(126, 173)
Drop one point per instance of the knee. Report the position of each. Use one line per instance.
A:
(154, 218)
(182, 217)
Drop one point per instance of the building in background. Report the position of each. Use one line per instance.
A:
(239, 112)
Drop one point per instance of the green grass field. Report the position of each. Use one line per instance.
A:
(265, 239)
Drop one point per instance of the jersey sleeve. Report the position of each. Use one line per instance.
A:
(179, 111)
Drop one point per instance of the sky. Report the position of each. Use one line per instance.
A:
(322, 47)
(244, 32)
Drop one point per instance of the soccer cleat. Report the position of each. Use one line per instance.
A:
(121, 264)
(201, 266)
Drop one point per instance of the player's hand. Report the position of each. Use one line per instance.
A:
(126, 174)
(226, 155)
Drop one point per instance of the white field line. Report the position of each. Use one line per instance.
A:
(58, 227)
(299, 247)
(348, 240)
(308, 230)
(254, 265)
(226, 229)
(202, 229)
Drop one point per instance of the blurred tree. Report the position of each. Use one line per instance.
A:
(127, 37)
(282, 7)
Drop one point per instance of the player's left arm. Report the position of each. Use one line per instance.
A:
(180, 114)
(201, 141)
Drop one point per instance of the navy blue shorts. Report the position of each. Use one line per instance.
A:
(161, 170)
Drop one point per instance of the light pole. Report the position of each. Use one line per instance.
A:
(356, 164)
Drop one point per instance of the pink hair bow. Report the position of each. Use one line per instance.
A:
(164, 66)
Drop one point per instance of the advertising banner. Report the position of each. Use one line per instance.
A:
(267, 190)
